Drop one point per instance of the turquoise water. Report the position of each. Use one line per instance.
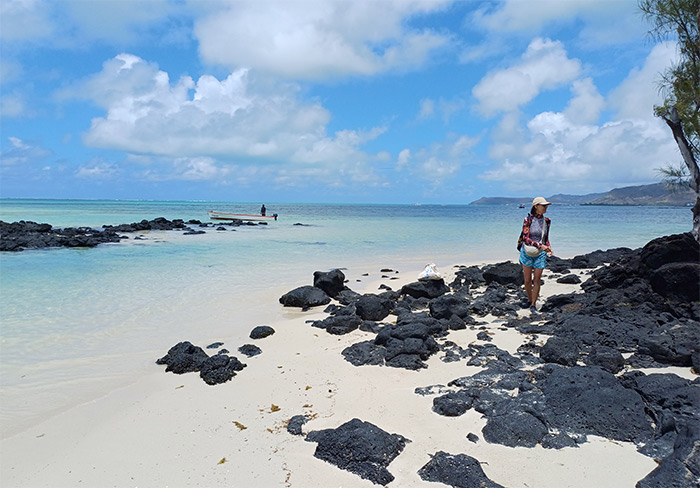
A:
(77, 323)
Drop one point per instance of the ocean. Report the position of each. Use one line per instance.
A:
(79, 323)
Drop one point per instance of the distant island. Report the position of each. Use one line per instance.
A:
(654, 195)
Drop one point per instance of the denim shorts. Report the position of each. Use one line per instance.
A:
(538, 262)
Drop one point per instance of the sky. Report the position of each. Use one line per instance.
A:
(381, 101)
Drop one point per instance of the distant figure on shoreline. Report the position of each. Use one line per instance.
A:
(534, 248)
(263, 210)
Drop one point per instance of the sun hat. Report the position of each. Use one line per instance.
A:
(540, 201)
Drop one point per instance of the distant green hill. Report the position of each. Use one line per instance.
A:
(655, 195)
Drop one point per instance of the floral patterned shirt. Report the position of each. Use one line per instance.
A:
(534, 224)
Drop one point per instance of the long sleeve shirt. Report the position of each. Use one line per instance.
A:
(532, 231)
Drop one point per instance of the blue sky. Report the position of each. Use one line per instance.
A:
(383, 101)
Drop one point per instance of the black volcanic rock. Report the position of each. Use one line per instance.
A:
(608, 358)
(364, 353)
(359, 447)
(331, 282)
(570, 279)
(21, 235)
(507, 273)
(295, 424)
(468, 277)
(219, 369)
(339, 324)
(425, 289)
(249, 350)
(459, 471)
(677, 248)
(680, 469)
(560, 350)
(18, 236)
(305, 297)
(514, 428)
(159, 223)
(677, 281)
(373, 307)
(184, 357)
(445, 306)
(592, 401)
(551, 399)
(261, 331)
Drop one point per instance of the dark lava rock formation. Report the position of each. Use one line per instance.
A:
(460, 471)
(21, 235)
(261, 331)
(18, 236)
(359, 447)
(305, 297)
(185, 357)
(639, 308)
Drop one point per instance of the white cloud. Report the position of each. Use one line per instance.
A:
(200, 169)
(21, 152)
(318, 39)
(234, 119)
(71, 23)
(98, 170)
(439, 162)
(519, 15)
(404, 159)
(586, 105)
(571, 151)
(603, 22)
(427, 108)
(13, 105)
(10, 70)
(636, 96)
(543, 66)
(23, 20)
(560, 155)
(116, 20)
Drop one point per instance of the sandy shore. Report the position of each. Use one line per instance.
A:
(175, 430)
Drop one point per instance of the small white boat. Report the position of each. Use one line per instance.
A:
(244, 217)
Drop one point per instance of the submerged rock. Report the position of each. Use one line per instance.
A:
(21, 235)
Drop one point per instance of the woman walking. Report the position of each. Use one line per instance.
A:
(534, 249)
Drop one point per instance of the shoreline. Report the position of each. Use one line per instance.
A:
(166, 429)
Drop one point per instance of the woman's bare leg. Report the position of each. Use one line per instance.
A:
(527, 274)
(537, 279)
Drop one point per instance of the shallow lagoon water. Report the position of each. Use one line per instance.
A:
(77, 323)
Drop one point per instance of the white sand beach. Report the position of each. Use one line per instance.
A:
(170, 430)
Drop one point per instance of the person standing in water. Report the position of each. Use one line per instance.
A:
(535, 233)
(263, 210)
